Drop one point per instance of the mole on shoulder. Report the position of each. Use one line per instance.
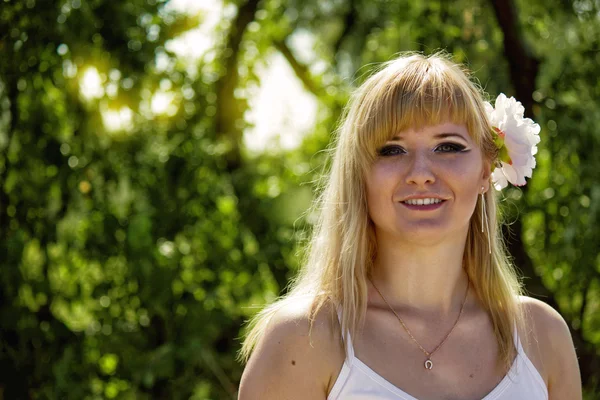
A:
(293, 362)
(471, 375)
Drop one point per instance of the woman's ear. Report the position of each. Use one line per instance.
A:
(486, 173)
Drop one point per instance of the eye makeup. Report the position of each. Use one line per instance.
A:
(446, 147)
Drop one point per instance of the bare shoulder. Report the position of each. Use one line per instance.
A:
(545, 326)
(544, 317)
(288, 362)
(549, 342)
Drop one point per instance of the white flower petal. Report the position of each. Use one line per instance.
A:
(520, 139)
(498, 179)
(516, 176)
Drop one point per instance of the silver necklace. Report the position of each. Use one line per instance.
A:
(428, 354)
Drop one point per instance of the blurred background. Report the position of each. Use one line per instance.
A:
(157, 159)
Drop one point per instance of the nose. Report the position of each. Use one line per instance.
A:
(420, 171)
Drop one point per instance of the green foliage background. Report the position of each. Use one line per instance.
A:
(130, 260)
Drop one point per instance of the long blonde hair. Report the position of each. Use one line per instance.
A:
(411, 90)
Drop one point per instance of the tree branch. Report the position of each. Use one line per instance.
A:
(10, 86)
(302, 71)
(349, 23)
(586, 291)
(522, 63)
(523, 72)
(230, 111)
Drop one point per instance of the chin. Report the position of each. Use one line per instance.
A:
(423, 231)
(432, 234)
(423, 237)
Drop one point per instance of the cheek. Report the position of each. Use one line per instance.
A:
(468, 172)
(460, 165)
(380, 185)
(468, 182)
(381, 180)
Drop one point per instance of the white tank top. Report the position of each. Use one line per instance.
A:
(357, 381)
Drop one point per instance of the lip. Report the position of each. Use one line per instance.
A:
(423, 196)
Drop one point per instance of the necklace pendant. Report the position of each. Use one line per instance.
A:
(428, 364)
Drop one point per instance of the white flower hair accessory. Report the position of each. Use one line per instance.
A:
(516, 138)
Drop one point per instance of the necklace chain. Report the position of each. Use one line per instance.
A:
(428, 362)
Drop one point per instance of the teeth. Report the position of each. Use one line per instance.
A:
(421, 202)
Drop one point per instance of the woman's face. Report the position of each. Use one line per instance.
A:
(423, 185)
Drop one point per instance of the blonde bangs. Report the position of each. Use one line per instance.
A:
(413, 94)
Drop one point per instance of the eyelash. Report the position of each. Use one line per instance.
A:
(386, 151)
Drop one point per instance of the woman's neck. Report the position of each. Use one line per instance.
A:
(429, 280)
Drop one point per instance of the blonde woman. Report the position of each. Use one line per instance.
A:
(407, 291)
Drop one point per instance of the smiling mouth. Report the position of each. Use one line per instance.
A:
(422, 202)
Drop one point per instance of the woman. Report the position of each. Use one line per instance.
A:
(407, 292)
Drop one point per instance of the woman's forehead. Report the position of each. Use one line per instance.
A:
(431, 133)
(436, 131)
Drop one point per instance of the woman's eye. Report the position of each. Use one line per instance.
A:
(450, 148)
(391, 151)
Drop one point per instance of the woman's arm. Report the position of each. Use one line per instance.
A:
(286, 365)
(556, 350)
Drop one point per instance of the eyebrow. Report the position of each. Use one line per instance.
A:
(443, 135)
